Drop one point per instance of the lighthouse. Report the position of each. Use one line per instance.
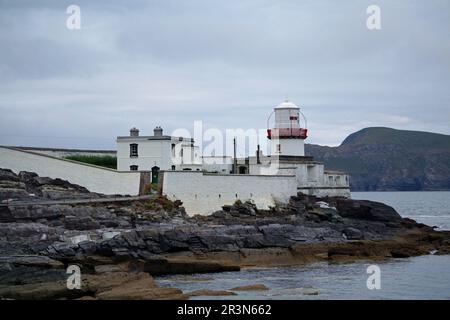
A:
(287, 134)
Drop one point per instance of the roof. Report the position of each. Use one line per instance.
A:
(287, 105)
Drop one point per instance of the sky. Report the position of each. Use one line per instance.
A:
(225, 63)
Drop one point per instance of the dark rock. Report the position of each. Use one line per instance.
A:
(366, 210)
(353, 234)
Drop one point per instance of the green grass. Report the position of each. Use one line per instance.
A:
(102, 161)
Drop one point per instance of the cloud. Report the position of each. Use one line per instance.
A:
(226, 63)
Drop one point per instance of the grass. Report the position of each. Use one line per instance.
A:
(161, 202)
(102, 161)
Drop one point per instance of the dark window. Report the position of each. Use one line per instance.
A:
(293, 118)
(133, 168)
(242, 170)
(133, 150)
(173, 168)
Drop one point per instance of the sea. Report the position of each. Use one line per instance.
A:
(424, 277)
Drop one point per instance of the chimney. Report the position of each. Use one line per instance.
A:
(158, 131)
(134, 132)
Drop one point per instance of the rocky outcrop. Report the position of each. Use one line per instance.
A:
(133, 240)
(28, 185)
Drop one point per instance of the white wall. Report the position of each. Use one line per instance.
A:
(222, 164)
(150, 153)
(289, 147)
(204, 193)
(157, 153)
(324, 191)
(95, 179)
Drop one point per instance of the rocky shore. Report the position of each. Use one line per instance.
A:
(120, 245)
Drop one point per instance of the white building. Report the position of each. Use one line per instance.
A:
(156, 152)
(203, 184)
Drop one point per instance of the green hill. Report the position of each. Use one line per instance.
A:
(381, 158)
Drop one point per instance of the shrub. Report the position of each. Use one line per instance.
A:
(161, 202)
(150, 188)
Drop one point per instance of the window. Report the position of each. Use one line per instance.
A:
(293, 118)
(279, 148)
(133, 150)
(173, 168)
(133, 168)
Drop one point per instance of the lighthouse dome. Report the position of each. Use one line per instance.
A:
(287, 105)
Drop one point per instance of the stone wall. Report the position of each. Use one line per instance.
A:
(203, 193)
(94, 178)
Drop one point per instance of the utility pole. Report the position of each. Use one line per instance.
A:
(235, 159)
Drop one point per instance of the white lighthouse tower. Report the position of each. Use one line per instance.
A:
(287, 134)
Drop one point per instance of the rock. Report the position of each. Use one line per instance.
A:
(31, 261)
(126, 286)
(108, 268)
(366, 210)
(107, 286)
(353, 234)
(211, 293)
(310, 292)
(251, 287)
(189, 266)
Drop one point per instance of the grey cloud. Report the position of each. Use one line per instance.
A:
(227, 63)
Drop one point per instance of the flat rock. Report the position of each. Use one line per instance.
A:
(251, 287)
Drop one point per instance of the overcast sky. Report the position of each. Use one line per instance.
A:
(227, 63)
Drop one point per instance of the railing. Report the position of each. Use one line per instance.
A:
(301, 133)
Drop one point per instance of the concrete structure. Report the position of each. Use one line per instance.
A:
(156, 152)
(63, 153)
(94, 178)
(204, 193)
(216, 164)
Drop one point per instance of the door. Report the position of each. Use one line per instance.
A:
(155, 172)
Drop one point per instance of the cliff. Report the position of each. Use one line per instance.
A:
(386, 159)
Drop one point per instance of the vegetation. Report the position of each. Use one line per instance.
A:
(162, 202)
(390, 159)
(150, 188)
(102, 161)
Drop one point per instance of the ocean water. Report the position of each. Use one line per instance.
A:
(424, 277)
(431, 207)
